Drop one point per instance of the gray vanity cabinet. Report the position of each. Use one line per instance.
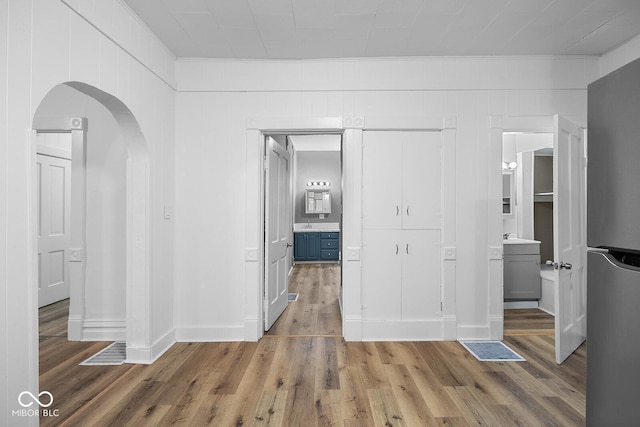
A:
(522, 271)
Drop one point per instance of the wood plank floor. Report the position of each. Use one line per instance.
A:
(314, 381)
(529, 321)
(317, 310)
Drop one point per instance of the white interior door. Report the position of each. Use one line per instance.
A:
(278, 230)
(54, 204)
(569, 236)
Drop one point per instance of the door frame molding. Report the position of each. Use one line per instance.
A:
(351, 128)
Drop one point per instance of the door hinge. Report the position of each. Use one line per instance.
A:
(441, 306)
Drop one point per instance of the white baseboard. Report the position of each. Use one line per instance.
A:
(449, 328)
(252, 332)
(471, 332)
(104, 330)
(148, 355)
(520, 304)
(210, 333)
(74, 328)
(496, 327)
(352, 328)
(402, 330)
(139, 355)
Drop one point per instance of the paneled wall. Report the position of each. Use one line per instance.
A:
(44, 43)
(216, 97)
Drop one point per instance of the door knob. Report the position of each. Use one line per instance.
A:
(289, 244)
(565, 265)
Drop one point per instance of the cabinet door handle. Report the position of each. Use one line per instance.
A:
(407, 210)
(397, 210)
(407, 249)
(397, 249)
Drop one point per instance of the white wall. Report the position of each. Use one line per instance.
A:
(620, 56)
(44, 43)
(218, 96)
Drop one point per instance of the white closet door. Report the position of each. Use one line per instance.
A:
(421, 283)
(54, 204)
(382, 180)
(382, 275)
(421, 180)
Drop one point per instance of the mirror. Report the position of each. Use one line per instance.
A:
(507, 193)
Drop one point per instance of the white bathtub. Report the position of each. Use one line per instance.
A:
(547, 301)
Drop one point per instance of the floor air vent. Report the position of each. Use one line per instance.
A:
(492, 351)
(114, 354)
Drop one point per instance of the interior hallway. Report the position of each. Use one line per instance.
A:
(320, 380)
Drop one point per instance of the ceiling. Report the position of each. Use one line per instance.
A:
(304, 29)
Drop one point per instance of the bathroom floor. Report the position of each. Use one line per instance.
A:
(528, 322)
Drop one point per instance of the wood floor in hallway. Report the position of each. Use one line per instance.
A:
(317, 310)
(313, 381)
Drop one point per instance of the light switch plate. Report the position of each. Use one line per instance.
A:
(168, 212)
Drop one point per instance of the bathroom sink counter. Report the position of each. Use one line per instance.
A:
(327, 227)
(517, 241)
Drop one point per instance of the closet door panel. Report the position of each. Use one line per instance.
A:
(381, 180)
(382, 275)
(422, 181)
(421, 274)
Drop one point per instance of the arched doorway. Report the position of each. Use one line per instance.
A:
(109, 230)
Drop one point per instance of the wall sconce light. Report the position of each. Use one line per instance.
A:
(509, 166)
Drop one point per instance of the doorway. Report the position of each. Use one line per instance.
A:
(314, 221)
(550, 184)
(108, 212)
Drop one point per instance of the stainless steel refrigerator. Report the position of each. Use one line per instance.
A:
(613, 259)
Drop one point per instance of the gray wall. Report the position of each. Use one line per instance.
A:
(319, 165)
(543, 211)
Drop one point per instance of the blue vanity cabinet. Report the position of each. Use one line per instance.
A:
(306, 246)
(316, 246)
(329, 246)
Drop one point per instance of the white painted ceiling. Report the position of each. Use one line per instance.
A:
(302, 29)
